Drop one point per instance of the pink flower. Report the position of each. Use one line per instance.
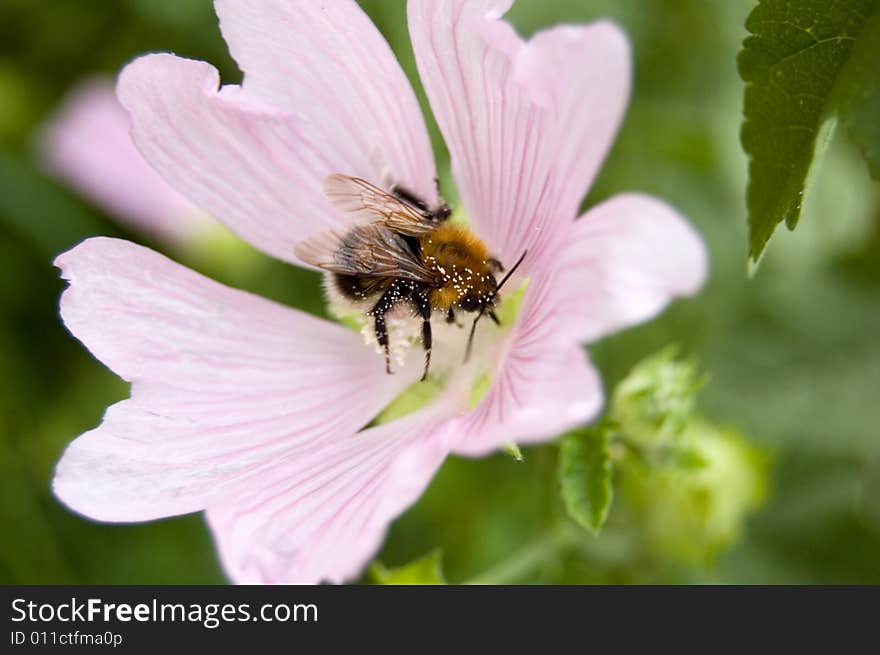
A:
(87, 144)
(255, 412)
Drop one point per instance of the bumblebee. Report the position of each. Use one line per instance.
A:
(400, 251)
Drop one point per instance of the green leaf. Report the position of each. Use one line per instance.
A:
(427, 570)
(585, 476)
(791, 63)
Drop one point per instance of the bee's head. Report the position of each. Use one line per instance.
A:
(472, 301)
(481, 295)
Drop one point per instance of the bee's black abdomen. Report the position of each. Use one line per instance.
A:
(351, 286)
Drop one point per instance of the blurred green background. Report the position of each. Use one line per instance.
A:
(792, 354)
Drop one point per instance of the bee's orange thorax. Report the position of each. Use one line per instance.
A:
(461, 259)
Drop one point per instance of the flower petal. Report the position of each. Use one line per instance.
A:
(543, 386)
(527, 124)
(491, 128)
(87, 143)
(321, 517)
(245, 162)
(626, 259)
(533, 400)
(584, 72)
(224, 383)
(326, 63)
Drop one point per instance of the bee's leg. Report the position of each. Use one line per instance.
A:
(402, 193)
(382, 338)
(442, 211)
(450, 318)
(493, 316)
(439, 213)
(423, 306)
(392, 295)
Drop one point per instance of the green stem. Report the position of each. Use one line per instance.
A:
(545, 548)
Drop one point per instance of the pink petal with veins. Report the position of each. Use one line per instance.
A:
(543, 383)
(322, 94)
(583, 72)
(328, 65)
(625, 260)
(245, 162)
(321, 517)
(492, 128)
(527, 123)
(224, 384)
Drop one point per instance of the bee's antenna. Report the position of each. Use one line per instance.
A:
(509, 273)
(467, 352)
(470, 343)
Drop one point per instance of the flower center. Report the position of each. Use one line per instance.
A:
(473, 379)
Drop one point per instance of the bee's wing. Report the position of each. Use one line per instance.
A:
(367, 250)
(361, 199)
